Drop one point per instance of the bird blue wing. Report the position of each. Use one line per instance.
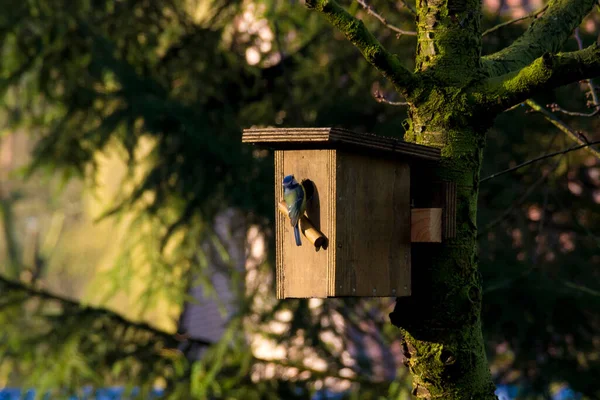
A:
(295, 200)
(296, 207)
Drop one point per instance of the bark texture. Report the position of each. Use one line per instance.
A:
(454, 95)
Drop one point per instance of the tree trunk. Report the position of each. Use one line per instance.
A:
(440, 323)
(454, 96)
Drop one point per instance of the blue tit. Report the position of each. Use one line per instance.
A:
(295, 198)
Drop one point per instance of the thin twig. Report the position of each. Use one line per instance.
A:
(380, 98)
(517, 203)
(520, 200)
(533, 14)
(555, 107)
(506, 282)
(581, 288)
(513, 107)
(578, 137)
(357, 33)
(593, 103)
(593, 93)
(408, 7)
(556, 153)
(370, 10)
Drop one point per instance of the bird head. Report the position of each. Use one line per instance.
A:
(289, 181)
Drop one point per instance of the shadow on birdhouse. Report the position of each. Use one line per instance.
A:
(313, 214)
(312, 202)
(359, 218)
(309, 223)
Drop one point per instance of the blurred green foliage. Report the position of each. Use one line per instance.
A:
(180, 79)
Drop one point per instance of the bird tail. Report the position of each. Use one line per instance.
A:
(297, 235)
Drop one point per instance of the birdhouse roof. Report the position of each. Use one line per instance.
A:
(327, 138)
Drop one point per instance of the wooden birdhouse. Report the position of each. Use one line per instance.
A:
(359, 223)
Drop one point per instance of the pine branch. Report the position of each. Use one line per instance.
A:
(513, 21)
(383, 20)
(9, 284)
(545, 35)
(373, 51)
(546, 72)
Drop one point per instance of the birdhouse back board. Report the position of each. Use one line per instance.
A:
(362, 205)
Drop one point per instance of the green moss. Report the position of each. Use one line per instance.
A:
(547, 34)
(444, 330)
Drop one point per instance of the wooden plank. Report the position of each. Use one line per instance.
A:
(449, 207)
(302, 270)
(279, 228)
(428, 191)
(332, 211)
(338, 139)
(372, 227)
(426, 225)
(303, 138)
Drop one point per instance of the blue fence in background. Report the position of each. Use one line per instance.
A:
(116, 393)
(504, 392)
(509, 392)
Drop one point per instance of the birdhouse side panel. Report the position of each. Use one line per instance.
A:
(302, 271)
(372, 226)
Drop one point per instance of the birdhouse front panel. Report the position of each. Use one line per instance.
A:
(361, 204)
(372, 227)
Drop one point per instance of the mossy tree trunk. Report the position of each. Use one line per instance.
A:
(454, 95)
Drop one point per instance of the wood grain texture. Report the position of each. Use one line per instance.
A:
(449, 206)
(279, 227)
(372, 241)
(305, 138)
(426, 225)
(302, 270)
(429, 192)
(331, 196)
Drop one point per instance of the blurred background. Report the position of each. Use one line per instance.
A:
(136, 231)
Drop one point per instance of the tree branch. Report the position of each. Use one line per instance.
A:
(517, 202)
(370, 10)
(546, 72)
(380, 98)
(554, 107)
(577, 137)
(526, 163)
(512, 21)
(9, 284)
(373, 51)
(545, 35)
(593, 103)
